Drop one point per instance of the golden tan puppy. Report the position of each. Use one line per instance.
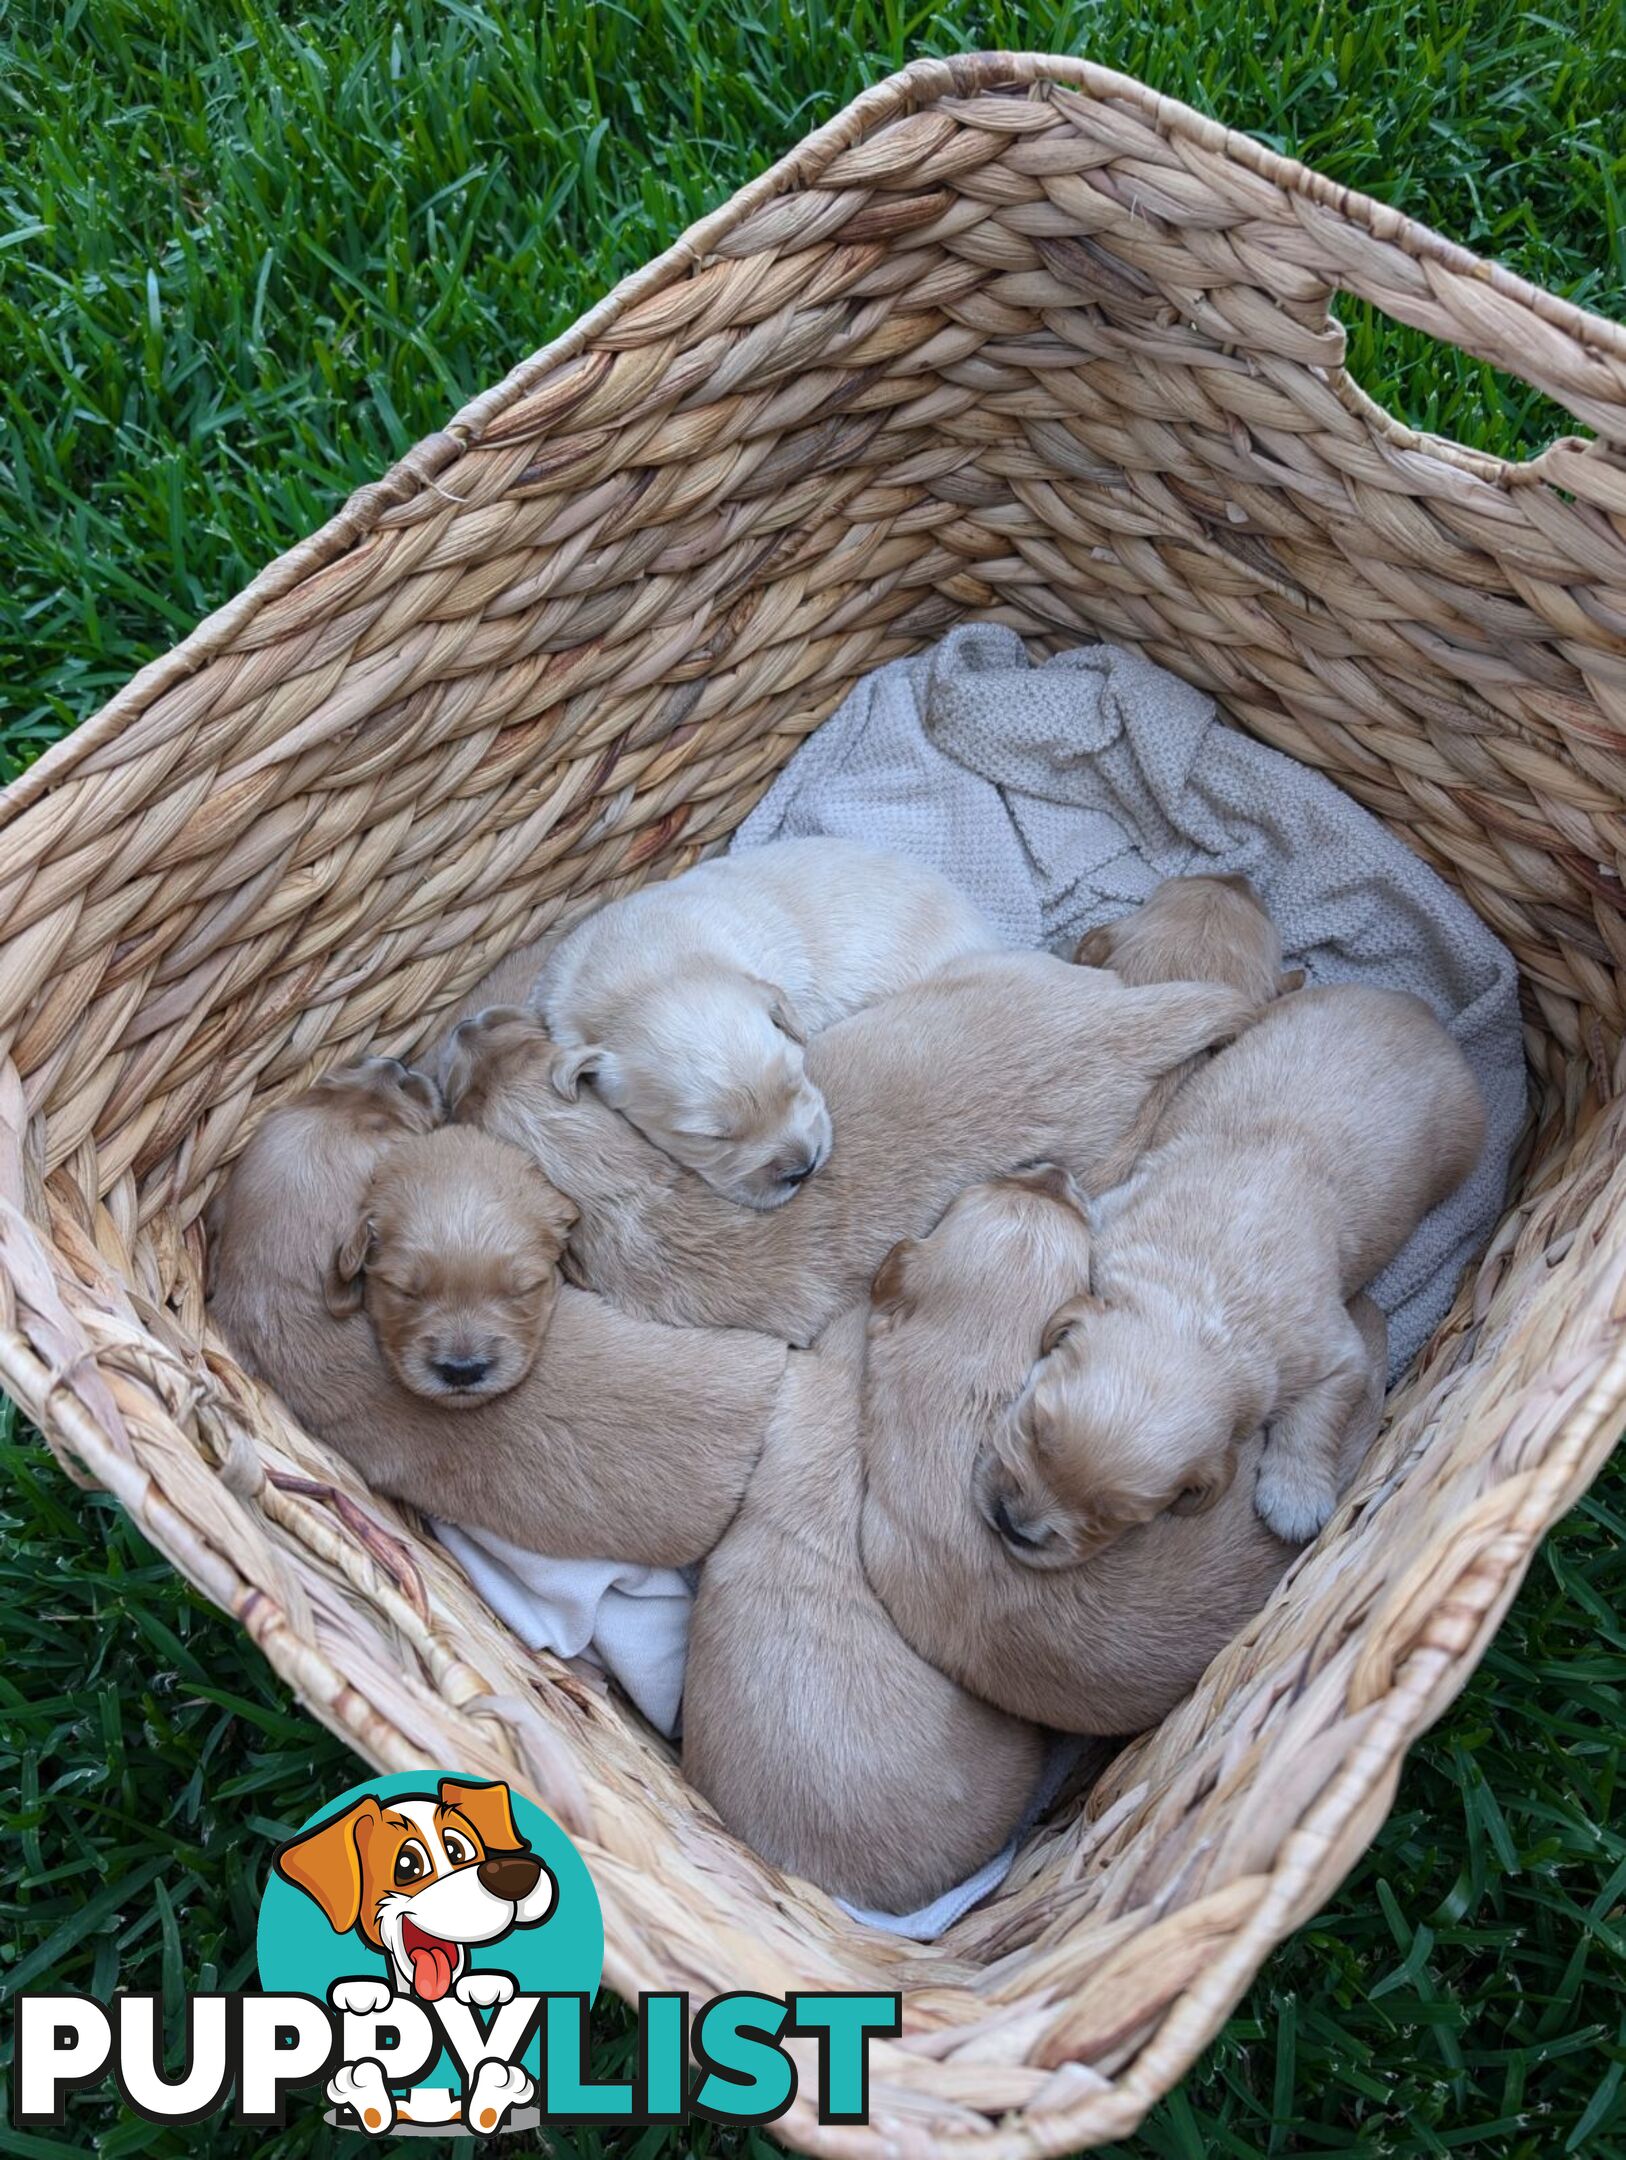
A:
(1210, 928)
(623, 1439)
(993, 1062)
(1105, 1646)
(818, 1735)
(1284, 1176)
(457, 1268)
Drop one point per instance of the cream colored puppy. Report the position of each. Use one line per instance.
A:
(1284, 1176)
(619, 1438)
(1108, 1645)
(818, 1735)
(1209, 928)
(995, 1061)
(688, 1004)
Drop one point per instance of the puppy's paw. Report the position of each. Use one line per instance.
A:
(492, 1020)
(479, 1047)
(360, 1998)
(1293, 1497)
(485, 1990)
(360, 2086)
(497, 2087)
(394, 1087)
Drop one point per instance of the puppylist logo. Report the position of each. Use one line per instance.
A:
(429, 1951)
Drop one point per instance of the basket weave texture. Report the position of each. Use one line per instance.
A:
(1011, 338)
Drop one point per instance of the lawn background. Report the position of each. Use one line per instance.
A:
(248, 255)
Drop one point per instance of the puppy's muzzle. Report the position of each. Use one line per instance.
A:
(509, 1875)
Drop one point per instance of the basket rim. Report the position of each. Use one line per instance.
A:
(912, 88)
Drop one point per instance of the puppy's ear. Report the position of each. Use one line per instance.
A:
(342, 1290)
(1063, 1321)
(1094, 948)
(1208, 1482)
(571, 1067)
(782, 1010)
(889, 1297)
(1053, 1182)
(1289, 980)
(326, 1862)
(490, 1808)
(555, 1216)
(787, 1019)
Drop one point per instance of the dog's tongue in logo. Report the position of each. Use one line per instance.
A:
(433, 1961)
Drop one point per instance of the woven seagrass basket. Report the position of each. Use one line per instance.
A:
(1012, 338)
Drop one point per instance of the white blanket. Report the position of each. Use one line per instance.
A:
(1057, 796)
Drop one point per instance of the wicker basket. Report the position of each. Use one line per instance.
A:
(1015, 338)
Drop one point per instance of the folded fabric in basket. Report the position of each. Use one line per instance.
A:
(633, 1621)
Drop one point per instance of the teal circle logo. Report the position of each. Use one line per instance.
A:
(428, 1891)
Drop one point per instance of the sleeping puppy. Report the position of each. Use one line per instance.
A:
(818, 1735)
(1209, 928)
(617, 1437)
(995, 1061)
(688, 1003)
(1110, 1644)
(458, 1269)
(1284, 1176)
(1194, 929)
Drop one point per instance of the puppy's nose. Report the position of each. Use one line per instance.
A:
(461, 1372)
(509, 1875)
(1009, 1528)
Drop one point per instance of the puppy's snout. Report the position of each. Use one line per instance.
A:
(1010, 1528)
(800, 1168)
(510, 1875)
(461, 1372)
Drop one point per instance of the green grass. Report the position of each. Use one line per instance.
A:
(247, 256)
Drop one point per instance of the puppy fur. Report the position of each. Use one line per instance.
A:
(1105, 1647)
(1210, 928)
(688, 1003)
(623, 1438)
(457, 1268)
(818, 1735)
(1284, 1176)
(997, 1060)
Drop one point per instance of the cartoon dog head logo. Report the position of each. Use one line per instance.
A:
(422, 1877)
